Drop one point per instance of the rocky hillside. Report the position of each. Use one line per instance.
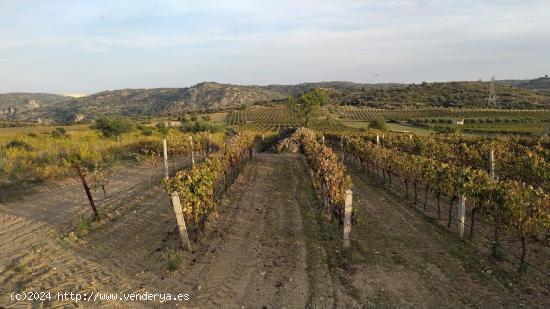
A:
(170, 101)
(448, 94)
(15, 105)
(214, 96)
(161, 101)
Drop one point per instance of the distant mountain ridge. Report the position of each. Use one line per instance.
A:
(14, 104)
(214, 96)
(165, 101)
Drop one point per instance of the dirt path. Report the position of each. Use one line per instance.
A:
(399, 259)
(261, 260)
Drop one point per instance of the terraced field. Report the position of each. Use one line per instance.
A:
(277, 119)
(280, 116)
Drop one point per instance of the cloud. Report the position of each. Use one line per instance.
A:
(262, 42)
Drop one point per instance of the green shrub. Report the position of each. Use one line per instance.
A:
(199, 126)
(114, 126)
(146, 131)
(163, 128)
(59, 133)
(379, 123)
(18, 144)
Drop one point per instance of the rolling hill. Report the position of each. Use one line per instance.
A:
(211, 96)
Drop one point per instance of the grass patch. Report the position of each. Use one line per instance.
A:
(173, 258)
(82, 226)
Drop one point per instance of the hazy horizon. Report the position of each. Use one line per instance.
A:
(83, 47)
(306, 82)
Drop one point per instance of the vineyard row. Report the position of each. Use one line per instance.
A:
(508, 203)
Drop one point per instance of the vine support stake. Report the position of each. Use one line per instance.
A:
(87, 189)
(377, 140)
(348, 198)
(492, 164)
(324, 192)
(192, 151)
(165, 153)
(461, 214)
(209, 142)
(181, 221)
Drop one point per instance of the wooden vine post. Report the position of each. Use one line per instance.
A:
(192, 151)
(181, 221)
(87, 189)
(343, 154)
(377, 140)
(165, 153)
(492, 164)
(461, 213)
(209, 142)
(348, 198)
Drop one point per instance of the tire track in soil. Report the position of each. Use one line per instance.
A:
(261, 260)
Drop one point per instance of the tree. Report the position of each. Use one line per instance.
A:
(379, 123)
(114, 126)
(163, 128)
(308, 104)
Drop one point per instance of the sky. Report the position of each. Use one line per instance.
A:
(89, 46)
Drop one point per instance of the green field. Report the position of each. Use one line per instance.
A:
(369, 114)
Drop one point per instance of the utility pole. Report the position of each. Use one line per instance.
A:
(492, 101)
